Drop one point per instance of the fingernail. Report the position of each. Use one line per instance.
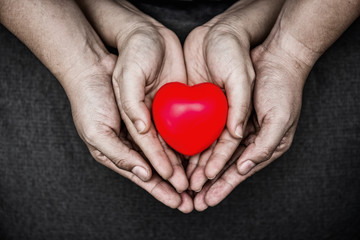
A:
(140, 126)
(246, 167)
(140, 172)
(212, 177)
(238, 131)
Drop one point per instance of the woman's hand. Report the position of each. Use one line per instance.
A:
(303, 31)
(219, 52)
(277, 103)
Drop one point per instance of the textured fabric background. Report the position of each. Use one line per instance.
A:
(51, 188)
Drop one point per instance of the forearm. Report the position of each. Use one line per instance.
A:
(305, 29)
(57, 33)
(254, 18)
(114, 19)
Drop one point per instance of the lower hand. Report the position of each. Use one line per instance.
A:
(98, 122)
(219, 54)
(280, 78)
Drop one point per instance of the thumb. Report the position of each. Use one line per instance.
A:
(132, 98)
(239, 91)
(265, 143)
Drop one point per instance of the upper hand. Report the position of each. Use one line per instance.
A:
(218, 53)
(150, 56)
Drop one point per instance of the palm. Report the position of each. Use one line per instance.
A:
(212, 56)
(171, 69)
(220, 56)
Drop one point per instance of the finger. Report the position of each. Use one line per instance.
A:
(187, 204)
(151, 147)
(223, 186)
(238, 89)
(110, 147)
(222, 152)
(229, 180)
(225, 150)
(249, 139)
(178, 178)
(264, 145)
(131, 81)
(174, 64)
(220, 178)
(192, 164)
(198, 178)
(199, 200)
(194, 161)
(157, 187)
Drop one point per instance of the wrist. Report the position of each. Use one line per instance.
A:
(252, 19)
(221, 26)
(117, 20)
(142, 28)
(88, 70)
(281, 42)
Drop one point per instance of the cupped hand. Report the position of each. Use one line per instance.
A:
(279, 83)
(219, 53)
(150, 56)
(97, 119)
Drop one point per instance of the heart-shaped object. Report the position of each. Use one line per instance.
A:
(189, 118)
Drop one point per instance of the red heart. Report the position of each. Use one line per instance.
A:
(188, 118)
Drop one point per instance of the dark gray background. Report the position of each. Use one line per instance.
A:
(51, 188)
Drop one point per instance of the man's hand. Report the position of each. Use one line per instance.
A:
(277, 103)
(282, 64)
(150, 56)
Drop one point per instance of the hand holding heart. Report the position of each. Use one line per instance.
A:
(150, 56)
(107, 92)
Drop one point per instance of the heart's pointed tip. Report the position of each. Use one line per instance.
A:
(188, 154)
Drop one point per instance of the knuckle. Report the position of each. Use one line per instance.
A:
(227, 143)
(285, 144)
(120, 162)
(265, 153)
(90, 135)
(128, 106)
(284, 118)
(278, 117)
(220, 158)
(99, 157)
